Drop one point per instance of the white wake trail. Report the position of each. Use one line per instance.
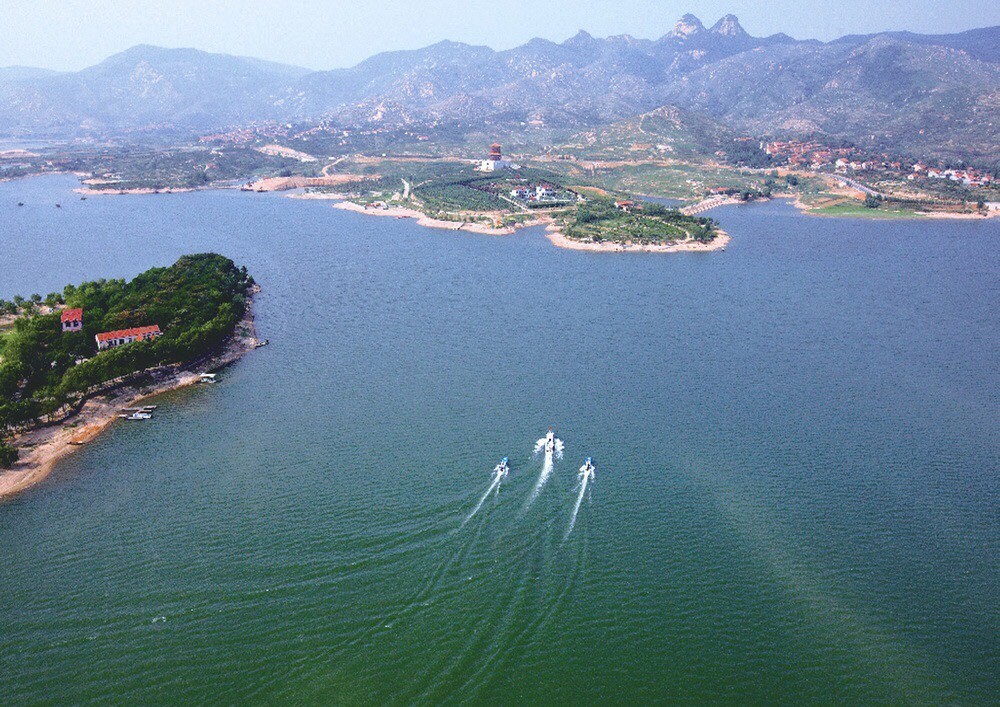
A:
(576, 508)
(495, 484)
(542, 479)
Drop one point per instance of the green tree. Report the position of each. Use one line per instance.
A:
(872, 201)
(8, 455)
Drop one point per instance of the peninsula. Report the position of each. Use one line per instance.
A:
(70, 363)
(496, 197)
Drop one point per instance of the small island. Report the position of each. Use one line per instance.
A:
(70, 362)
(604, 224)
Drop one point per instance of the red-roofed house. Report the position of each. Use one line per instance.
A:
(111, 339)
(72, 319)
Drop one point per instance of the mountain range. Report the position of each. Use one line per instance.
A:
(933, 95)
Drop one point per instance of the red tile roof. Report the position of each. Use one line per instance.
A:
(72, 315)
(125, 333)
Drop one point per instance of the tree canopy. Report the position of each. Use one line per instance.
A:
(196, 302)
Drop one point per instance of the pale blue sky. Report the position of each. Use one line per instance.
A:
(324, 34)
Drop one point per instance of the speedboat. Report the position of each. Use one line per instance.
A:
(587, 470)
(502, 469)
(139, 416)
(550, 442)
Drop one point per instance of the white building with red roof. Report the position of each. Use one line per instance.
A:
(72, 319)
(111, 339)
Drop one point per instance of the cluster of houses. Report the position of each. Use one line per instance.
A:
(815, 155)
(968, 177)
(72, 321)
(541, 192)
(806, 154)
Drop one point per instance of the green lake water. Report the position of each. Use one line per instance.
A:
(797, 444)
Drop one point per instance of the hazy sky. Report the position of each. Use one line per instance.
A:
(325, 34)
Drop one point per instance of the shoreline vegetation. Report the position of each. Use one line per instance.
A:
(443, 188)
(554, 233)
(44, 430)
(559, 239)
(455, 196)
(422, 219)
(848, 208)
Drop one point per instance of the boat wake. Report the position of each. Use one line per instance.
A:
(557, 447)
(586, 474)
(576, 507)
(553, 450)
(500, 472)
(495, 484)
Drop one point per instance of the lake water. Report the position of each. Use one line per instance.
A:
(797, 445)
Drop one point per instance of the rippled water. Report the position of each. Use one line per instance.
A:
(797, 447)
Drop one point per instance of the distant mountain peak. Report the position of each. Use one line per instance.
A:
(581, 37)
(687, 26)
(729, 26)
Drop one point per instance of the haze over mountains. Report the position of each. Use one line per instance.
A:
(933, 95)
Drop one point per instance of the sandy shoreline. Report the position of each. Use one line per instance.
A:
(424, 220)
(87, 191)
(558, 239)
(43, 447)
(808, 210)
(552, 232)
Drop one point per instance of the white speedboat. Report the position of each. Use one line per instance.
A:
(502, 469)
(587, 470)
(550, 442)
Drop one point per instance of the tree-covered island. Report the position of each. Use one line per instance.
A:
(50, 363)
(637, 223)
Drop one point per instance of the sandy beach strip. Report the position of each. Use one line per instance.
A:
(560, 240)
(424, 220)
(87, 191)
(41, 448)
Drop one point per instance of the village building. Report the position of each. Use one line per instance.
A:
(72, 319)
(111, 339)
(545, 192)
(496, 162)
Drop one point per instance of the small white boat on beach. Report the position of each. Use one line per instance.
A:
(207, 378)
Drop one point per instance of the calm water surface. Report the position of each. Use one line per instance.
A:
(797, 442)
